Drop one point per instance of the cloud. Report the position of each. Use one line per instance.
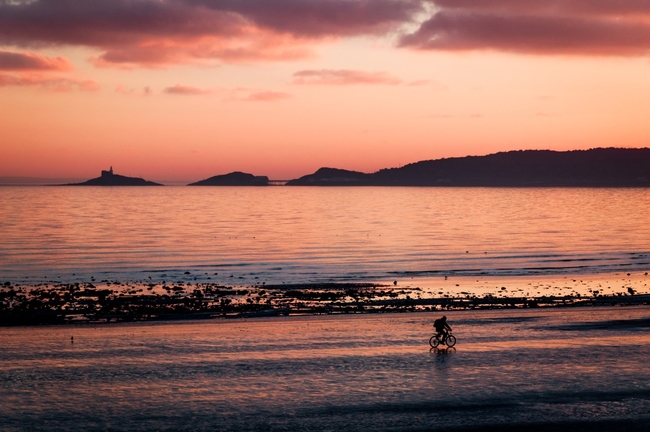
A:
(267, 96)
(158, 33)
(26, 69)
(122, 89)
(22, 61)
(130, 91)
(47, 83)
(155, 33)
(576, 27)
(575, 7)
(232, 94)
(318, 18)
(185, 90)
(343, 77)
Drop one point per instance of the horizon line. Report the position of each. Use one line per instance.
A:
(64, 181)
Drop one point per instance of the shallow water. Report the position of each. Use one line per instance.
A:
(275, 235)
(578, 367)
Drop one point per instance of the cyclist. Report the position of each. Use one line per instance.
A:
(442, 328)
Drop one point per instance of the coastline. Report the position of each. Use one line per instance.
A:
(124, 301)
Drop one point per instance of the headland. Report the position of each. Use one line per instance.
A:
(602, 167)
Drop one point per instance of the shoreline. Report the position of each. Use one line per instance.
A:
(114, 301)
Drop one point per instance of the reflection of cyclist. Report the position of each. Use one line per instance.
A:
(442, 328)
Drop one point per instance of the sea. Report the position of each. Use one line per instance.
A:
(542, 369)
(295, 235)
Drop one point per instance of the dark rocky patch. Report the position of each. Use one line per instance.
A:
(79, 303)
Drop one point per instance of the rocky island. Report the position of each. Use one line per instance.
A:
(108, 178)
(236, 178)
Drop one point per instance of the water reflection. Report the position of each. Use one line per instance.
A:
(443, 351)
(288, 235)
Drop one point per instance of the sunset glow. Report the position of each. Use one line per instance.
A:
(179, 90)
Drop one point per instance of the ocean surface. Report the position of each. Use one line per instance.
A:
(569, 369)
(276, 235)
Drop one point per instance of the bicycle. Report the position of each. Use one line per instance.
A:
(449, 340)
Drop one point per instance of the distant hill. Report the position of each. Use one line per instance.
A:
(234, 179)
(109, 179)
(333, 177)
(603, 167)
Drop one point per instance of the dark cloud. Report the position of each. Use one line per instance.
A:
(19, 61)
(582, 27)
(323, 18)
(24, 69)
(573, 7)
(109, 22)
(155, 32)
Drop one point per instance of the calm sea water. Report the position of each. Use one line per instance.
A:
(236, 235)
(554, 369)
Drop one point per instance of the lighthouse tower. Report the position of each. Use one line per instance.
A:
(108, 173)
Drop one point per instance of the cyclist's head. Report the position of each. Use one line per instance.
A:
(444, 318)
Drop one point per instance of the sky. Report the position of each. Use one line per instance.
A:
(180, 90)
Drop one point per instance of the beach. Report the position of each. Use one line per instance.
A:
(541, 369)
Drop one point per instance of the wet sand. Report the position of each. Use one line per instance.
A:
(543, 369)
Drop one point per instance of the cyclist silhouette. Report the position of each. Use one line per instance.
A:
(442, 327)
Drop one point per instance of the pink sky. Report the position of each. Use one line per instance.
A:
(181, 90)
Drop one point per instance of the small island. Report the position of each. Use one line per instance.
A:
(236, 178)
(108, 178)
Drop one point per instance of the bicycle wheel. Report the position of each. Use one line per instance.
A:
(451, 341)
(434, 341)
